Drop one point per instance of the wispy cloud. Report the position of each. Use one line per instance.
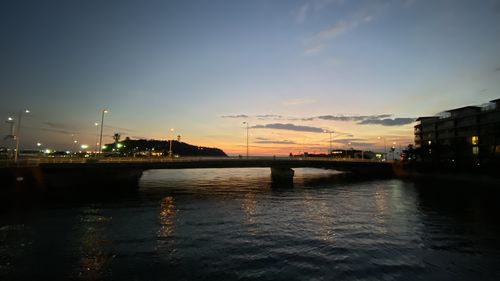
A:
(388, 121)
(314, 49)
(58, 131)
(378, 119)
(364, 15)
(120, 129)
(300, 101)
(270, 141)
(301, 13)
(269, 116)
(235, 116)
(310, 7)
(290, 127)
(375, 119)
(352, 117)
(61, 126)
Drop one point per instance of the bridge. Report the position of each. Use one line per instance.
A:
(64, 173)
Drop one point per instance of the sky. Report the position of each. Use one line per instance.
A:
(363, 70)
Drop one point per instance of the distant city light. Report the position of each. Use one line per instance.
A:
(84, 146)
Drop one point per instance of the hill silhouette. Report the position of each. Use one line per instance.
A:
(149, 147)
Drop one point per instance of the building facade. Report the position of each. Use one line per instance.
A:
(462, 134)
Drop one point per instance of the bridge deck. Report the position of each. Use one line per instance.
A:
(195, 162)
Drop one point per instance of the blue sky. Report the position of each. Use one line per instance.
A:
(280, 65)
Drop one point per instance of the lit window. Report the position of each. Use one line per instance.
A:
(475, 150)
(475, 140)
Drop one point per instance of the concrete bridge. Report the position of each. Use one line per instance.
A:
(64, 173)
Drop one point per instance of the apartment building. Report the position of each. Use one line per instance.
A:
(462, 133)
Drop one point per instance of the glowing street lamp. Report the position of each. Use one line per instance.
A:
(18, 133)
(96, 136)
(102, 126)
(385, 147)
(171, 139)
(347, 147)
(74, 144)
(247, 136)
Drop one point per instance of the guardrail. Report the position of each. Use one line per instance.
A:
(33, 162)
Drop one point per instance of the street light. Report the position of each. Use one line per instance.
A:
(347, 146)
(393, 149)
(96, 136)
(102, 126)
(73, 149)
(385, 147)
(247, 137)
(331, 133)
(171, 139)
(18, 133)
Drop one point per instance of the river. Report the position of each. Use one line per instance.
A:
(234, 224)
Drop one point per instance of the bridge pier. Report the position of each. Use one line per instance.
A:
(282, 176)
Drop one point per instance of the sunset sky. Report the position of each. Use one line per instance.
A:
(291, 69)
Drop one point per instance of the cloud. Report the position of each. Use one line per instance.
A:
(301, 13)
(58, 131)
(314, 49)
(269, 116)
(336, 29)
(388, 121)
(235, 116)
(379, 119)
(348, 118)
(364, 15)
(61, 126)
(275, 142)
(120, 129)
(293, 102)
(290, 127)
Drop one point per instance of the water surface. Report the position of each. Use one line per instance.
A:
(228, 224)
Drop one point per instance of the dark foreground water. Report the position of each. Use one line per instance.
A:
(232, 224)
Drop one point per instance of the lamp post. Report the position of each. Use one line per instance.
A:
(331, 133)
(247, 137)
(393, 149)
(102, 126)
(12, 135)
(171, 139)
(385, 147)
(346, 147)
(96, 137)
(73, 149)
(18, 133)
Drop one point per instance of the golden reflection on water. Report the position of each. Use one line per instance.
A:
(94, 258)
(249, 207)
(166, 217)
(318, 211)
(381, 210)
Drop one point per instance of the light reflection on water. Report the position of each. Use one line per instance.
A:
(218, 224)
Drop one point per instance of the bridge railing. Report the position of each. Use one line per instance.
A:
(33, 162)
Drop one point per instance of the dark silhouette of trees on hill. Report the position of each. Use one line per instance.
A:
(129, 147)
